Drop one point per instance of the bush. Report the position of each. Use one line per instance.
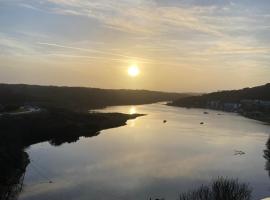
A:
(220, 189)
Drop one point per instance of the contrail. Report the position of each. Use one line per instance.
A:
(91, 57)
(94, 51)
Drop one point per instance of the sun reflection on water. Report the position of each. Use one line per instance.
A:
(132, 110)
(132, 123)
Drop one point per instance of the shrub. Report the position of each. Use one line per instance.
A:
(220, 189)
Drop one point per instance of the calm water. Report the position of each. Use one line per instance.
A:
(149, 158)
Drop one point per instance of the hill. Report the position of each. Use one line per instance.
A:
(250, 102)
(78, 98)
(230, 96)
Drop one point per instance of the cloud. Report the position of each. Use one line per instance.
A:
(95, 51)
(13, 46)
(135, 16)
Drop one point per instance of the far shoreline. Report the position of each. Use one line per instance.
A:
(266, 121)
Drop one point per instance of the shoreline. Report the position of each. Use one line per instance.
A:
(249, 115)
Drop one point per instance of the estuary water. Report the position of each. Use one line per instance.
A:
(150, 158)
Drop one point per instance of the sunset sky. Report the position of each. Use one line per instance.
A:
(178, 45)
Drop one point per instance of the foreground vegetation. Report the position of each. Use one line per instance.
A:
(220, 189)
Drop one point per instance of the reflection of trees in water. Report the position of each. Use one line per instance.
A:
(267, 156)
(57, 141)
(13, 164)
(219, 189)
(11, 190)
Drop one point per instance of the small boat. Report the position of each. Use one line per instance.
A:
(164, 121)
(202, 123)
(236, 152)
(205, 113)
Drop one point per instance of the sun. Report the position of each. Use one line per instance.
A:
(133, 71)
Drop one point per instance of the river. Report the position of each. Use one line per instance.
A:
(150, 158)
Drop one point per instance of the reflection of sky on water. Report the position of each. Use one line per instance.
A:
(151, 158)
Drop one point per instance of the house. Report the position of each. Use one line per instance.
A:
(258, 105)
(231, 107)
(213, 104)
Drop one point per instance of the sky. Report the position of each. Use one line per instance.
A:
(179, 45)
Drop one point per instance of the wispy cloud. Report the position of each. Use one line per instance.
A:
(142, 60)
(136, 17)
(13, 46)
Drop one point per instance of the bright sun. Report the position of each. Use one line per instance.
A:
(133, 71)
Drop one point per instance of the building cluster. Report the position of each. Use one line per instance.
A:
(245, 105)
(17, 109)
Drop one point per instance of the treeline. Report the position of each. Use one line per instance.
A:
(56, 126)
(235, 96)
(78, 98)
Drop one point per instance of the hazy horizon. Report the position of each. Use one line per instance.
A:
(168, 91)
(178, 46)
